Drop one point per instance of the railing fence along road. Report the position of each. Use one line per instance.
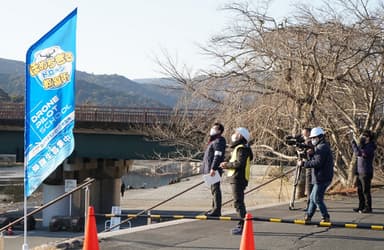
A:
(86, 113)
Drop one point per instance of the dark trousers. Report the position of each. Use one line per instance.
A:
(364, 191)
(216, 198)
(238, 200)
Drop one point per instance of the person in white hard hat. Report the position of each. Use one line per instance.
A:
(238, 171)
(321, 163)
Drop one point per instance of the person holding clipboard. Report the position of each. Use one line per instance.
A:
(213, 156)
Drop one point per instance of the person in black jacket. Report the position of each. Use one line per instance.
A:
(238, 171)
(321, 163)
(213, 156)
(305, 133)
(365, 153)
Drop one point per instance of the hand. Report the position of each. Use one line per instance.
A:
(300, 163)
(310, 152)
(351, 135)
(213, 172)
(223, 165)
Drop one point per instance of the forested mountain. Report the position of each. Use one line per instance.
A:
(91, 89)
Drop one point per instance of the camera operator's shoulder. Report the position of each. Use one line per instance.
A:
(323, 147)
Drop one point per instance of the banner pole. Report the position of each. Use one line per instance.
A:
(25, 245)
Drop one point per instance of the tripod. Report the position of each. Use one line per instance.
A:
(298, 171)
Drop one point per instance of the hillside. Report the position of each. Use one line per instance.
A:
(106, 90)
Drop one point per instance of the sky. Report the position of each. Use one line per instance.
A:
(122, 36)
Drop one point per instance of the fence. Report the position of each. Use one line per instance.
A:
(86, 113)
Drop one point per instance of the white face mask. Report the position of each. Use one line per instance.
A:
(314, 141)
(234, 137)
(213, 132)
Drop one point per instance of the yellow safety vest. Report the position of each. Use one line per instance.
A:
(234, 158)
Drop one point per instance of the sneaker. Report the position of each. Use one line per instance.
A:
(237, 231)
(307, 219)
(357, 210)
(325, 219)
(366, 211)
(216, 214)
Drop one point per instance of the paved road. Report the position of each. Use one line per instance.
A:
(215, 234)
(211, 234)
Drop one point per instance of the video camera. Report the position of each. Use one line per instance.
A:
(298, 142)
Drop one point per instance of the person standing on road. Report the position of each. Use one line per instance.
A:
(213, 156)
(305, 133)
(321, 163)
(122, 188)
(238, 172)
(365, 153)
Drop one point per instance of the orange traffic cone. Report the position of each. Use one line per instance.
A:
(247, 239)
(91, 241)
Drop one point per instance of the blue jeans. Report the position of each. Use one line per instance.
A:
(317, 200)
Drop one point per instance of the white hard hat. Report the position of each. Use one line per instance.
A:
(315, 132)
(244, 133)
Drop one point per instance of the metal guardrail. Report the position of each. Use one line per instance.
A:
(86, 183)
(86, 113)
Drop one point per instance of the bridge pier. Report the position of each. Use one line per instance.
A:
(104, 192)
(61, 208)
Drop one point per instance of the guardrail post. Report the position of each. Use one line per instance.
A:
(1, 241)
(149, 221)
(86, 204)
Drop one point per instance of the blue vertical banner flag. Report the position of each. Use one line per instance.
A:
(49, 102)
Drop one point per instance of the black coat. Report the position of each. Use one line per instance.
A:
(365, 155)
(214, 155)
(321, 163)
(243, 153)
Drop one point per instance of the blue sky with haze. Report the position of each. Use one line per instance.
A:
(123, 36)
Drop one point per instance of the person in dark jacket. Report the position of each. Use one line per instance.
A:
(365, 153)
(321, 163)
(305, 133)
(213, 156)
(238, 171)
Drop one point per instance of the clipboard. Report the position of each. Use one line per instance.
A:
(210, 180)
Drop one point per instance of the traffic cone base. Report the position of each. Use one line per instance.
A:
(247, 238)
(91, 242)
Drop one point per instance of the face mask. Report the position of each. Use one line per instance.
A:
(314, 141)
(234, 137)
(213, 132)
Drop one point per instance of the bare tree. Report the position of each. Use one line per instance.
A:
(322, 67)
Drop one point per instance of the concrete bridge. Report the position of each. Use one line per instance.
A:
(107, 141)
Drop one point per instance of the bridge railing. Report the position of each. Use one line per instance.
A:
(86, 113)
(11, 111)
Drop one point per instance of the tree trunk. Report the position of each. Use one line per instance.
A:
(351, 173)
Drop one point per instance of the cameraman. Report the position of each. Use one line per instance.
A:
(321, 163)
(305, 133)
(304, 150)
